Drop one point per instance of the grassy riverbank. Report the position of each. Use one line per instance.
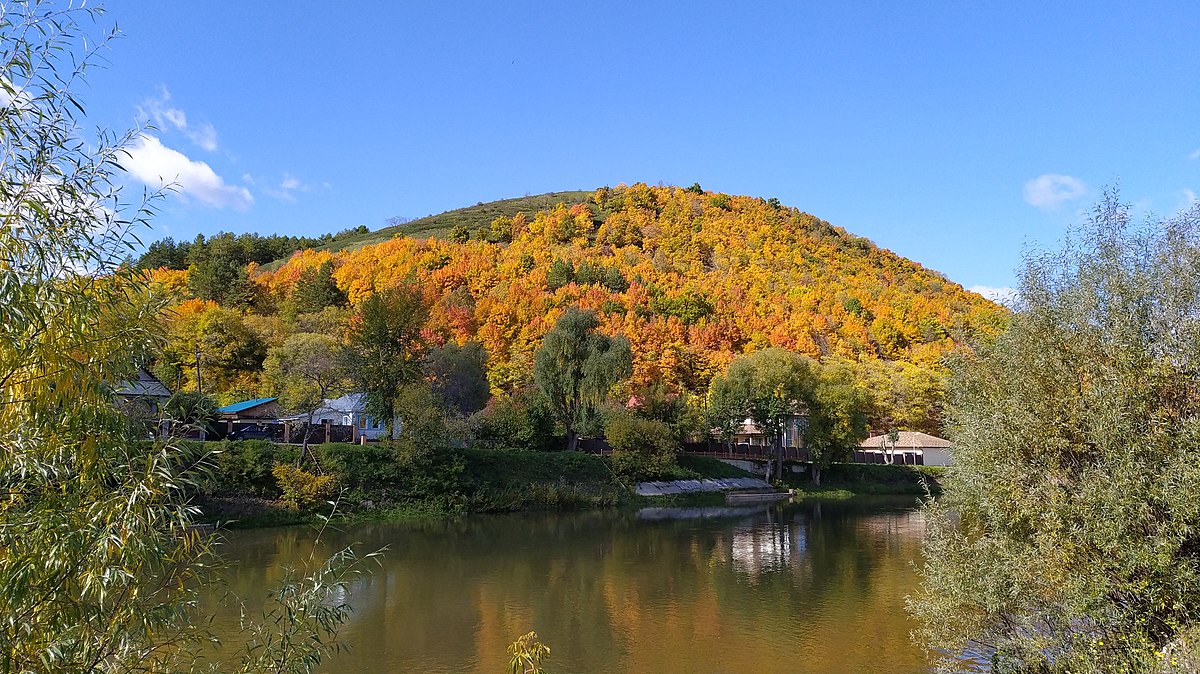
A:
(377, 482)
(856, 479)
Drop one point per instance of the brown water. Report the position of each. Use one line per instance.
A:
(816, 587)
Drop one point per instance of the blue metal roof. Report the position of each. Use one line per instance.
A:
(244, 405)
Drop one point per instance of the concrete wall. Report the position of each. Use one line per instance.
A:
(937, 457)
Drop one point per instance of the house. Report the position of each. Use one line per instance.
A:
(932, 450)
(351, 410)
(144, 395)
(258, 409)
(748, 433)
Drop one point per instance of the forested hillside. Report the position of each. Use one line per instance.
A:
(691, 278)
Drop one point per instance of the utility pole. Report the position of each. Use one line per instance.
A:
(199, 387)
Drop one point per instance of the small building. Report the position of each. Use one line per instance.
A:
(142, 398)
(910, 445)
(258, 409)
(144, 395)
(748, 433)
(351, 410)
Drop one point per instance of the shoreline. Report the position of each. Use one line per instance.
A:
(377, 483)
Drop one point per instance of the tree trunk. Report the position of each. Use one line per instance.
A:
(778, 459)
(572, 439)
(816, 474)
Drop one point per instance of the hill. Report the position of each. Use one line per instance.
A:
(692, 278)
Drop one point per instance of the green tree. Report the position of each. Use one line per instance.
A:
(561, 273)
(1068, 532)
(768, 387)
(221, 280)
(460, 234)
(837, 417)
(99, 558)
(315, 290)
(385, 347)
(303, 372)
(576, 366)
(191, 409)
(457, 376)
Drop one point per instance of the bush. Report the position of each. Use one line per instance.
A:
(301, 489)
(522, 421)
(244, 467)
(643, 449)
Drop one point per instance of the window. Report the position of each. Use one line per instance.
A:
(362, 422)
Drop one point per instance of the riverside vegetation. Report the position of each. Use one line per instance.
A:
(256, 483)
(1068, 535)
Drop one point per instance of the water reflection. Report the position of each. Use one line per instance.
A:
(798, 588)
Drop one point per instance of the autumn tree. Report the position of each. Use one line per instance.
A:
(576, 367)
(385, 347)
(211, 349)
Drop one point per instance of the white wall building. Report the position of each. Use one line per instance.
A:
(934, 451)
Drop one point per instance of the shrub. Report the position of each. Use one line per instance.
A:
(301, 489)
(521, 421)
(643, 449)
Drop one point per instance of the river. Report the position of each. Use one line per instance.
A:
(809, 587)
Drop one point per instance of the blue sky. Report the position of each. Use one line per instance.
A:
(956, 134)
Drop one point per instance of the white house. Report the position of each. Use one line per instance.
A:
(351, 410)
(933, 450)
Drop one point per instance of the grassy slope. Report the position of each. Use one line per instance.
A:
(439, 226)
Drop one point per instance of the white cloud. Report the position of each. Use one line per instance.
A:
(287, 188)
(165, 115)
(1195, 154)
(1006, 296)
(157, 165)
(1051, 190)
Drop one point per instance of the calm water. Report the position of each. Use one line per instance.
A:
(800, 588)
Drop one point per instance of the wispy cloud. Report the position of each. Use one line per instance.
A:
(1005, 295)
(157, 165)
(165, 115)
(1195, 154)
(286, 189)
(1050, 190)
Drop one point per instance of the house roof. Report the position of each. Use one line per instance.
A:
(146, 385)
(244, 405)
(351, 402)
(908, 440)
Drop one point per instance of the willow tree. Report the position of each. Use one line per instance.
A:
(98, 556)
(1068, 535)
(576, 367)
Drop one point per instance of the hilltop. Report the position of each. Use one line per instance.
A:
(439, 226)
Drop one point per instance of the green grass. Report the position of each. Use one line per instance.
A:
(708, 467)
(878, 479)
(439, 226)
